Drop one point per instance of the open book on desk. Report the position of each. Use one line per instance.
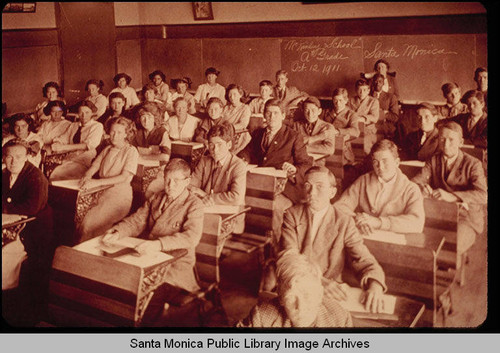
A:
(73, 184)
(126, 246)
(357, 309)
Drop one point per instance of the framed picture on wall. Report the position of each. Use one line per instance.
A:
(20, 7)
(203, 11)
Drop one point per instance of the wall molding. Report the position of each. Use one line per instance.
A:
(450, 24)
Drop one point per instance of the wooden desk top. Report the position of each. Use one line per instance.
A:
(431, 241)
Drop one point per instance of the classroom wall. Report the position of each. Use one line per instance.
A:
(43, 17)
(152, 13)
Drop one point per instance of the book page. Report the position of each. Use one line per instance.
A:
(94, 246)
(353, 303)
(269, 171)
(67, 184)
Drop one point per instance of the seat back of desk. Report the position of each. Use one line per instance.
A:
(441, 217)
(337, 161)
(209, 249)
(93, 291)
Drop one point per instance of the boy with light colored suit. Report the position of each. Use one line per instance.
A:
(325, 235)
(170, 219)
(453, 176)
(384, 198)
(220, 178)
(318, 135)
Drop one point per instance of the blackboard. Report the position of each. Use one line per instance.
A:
(318, 65)
(243, 61)
(175, 57)
(423, 63)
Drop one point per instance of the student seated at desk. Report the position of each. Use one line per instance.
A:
(318, 135)
(122, 83)
(181, 86)
(25, 192)
(56, 126)
(182, 125)
(366, 107)
(389, 108)
(280, 147)
(213, 118)
(220, 178)
(453, 106)
(481, 78)
(237, 113)
(81, 139)
(301, 302)
(116, 108)
(94, 88)
(116, 165)
(384, 198)
(22, 126)
(382, 67)
(149, 93)
(343, 118)
(289, 95)
(210, 89)
(454, 176)
(266, 92)
(51, 92)
(170, 219)
(325, 235)
(150, 130)
(474, 123)
(423, 143)
(162, 93)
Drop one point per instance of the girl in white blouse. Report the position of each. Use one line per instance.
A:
(51, 92)
(182, 125)
(157, 77)
(122, 82)
(210, 89)
(181, 86)
(94, 87)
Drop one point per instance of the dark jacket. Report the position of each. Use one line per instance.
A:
(413, 150)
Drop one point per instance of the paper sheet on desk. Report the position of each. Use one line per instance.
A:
(413, 163)
(387, 237)
(94, 246)
(68, 184)
(353, 302)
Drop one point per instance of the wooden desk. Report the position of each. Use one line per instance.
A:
(410, 264)
(70, 205)
(12, 225)
(89, 289)
(51, 161)
(411, 168)
(191, 152)
(218, 225)
(263, 185)
(148, 168)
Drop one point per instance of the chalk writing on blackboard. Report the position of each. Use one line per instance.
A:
(411, 51)
(321, 57)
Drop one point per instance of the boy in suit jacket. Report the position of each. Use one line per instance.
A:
(384, 198)
(221, 177)
(301, 302)
(423, 143)
(170, 219)
(280, 147)
(453, 176)
(325, 235)
(318, 135)
(389, 108)
(289, 95)
(474, 123)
